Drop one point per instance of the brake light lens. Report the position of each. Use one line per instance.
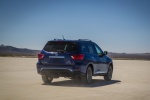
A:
(77, 57)
(40, 56)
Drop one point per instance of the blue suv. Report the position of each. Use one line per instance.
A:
(75, 59)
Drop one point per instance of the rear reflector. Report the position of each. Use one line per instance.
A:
(40, 56)
(77, 57)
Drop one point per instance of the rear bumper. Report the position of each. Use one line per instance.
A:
(59, 71)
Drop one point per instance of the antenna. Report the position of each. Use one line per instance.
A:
(63, 37)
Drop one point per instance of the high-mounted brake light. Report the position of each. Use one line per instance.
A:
(40, 56)
(77, 57)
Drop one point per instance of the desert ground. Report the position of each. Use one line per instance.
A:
(20, 81)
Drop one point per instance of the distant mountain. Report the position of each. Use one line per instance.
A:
(135, 56)
(13, 51)
(23, 52)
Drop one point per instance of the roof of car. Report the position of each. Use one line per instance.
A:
(70, 40)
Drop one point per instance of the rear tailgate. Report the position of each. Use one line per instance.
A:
(59, 53)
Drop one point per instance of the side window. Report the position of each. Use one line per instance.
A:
(98, 50)
(84, 47)
(91, 48)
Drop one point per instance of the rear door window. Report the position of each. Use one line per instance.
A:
(84, 48)
(91, 48)
(60, 46)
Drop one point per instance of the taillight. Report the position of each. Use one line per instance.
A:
(40, 56)
(77, 57)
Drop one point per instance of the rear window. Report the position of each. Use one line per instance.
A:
(60, 47)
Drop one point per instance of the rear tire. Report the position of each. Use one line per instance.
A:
(88, 76)
(108, 77)
(46, 79)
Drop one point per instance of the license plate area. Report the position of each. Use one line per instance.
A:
(56, 59)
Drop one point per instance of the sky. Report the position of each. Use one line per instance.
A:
(121, 26)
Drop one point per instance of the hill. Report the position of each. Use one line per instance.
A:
(133, 56)
(13, 51)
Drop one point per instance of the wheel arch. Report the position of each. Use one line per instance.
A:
(91, 65)
(111, 64)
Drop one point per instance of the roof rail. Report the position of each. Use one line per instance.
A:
(84, 40)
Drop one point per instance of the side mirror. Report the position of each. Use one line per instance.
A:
(105, 52)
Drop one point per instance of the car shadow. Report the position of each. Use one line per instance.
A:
(77, 83)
